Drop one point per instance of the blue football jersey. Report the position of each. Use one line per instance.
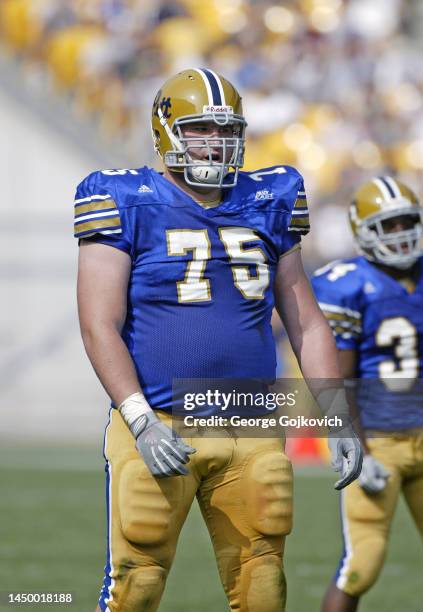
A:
(200, 294)
(376, 316)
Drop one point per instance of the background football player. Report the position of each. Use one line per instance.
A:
(374, 303)
(177, 277)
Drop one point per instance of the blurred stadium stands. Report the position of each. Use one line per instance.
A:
(333, 87)
(48, 391)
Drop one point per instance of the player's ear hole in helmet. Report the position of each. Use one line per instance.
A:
(200, 97)
(387, 222)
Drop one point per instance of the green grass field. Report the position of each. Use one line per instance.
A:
(52, 539)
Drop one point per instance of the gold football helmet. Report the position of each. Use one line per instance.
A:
(378, 208)
(199, 96)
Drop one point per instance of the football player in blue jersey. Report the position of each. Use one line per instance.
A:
(374, 303)
(178, 275)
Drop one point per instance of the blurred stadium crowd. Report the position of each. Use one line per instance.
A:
(332, 87)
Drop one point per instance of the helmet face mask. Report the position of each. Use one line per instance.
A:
(375, 215)
(209, 160)
(399, 249)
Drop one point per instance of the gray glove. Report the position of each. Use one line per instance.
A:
(373, 476)
(163, 451)
(347, 455)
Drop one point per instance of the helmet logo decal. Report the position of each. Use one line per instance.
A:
(165, 104)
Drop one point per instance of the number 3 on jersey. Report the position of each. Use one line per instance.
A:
(401, 335)
(196, 288)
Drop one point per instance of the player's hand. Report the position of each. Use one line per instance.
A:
(347, 455)
(344, 445)
(164, 452)
(373, 475)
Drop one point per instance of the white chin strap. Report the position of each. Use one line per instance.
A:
(202, 172)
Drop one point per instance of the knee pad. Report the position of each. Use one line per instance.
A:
(142, 590)
(267, 486)
(145, 504)
(360, 570)
(263, 585)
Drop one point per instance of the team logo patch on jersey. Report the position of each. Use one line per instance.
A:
(369, 287)
(144, 189)
(264, 194)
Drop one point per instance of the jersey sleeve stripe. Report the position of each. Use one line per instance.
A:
(97, 205)
(340, 309)
(345, 326)
(338, 318)
(98, 226)
(302, 230)
(299, 221)
(106, 210)
(345, 329)
(345, 335)
(114, 231)
(97, 215)
(93, 198)
(300, 213)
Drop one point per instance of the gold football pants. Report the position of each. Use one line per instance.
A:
(244, 489)
(366, 519)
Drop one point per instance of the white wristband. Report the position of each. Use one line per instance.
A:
(134, 407)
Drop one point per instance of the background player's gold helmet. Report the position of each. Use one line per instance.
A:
(193, 96)
(380, 200)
